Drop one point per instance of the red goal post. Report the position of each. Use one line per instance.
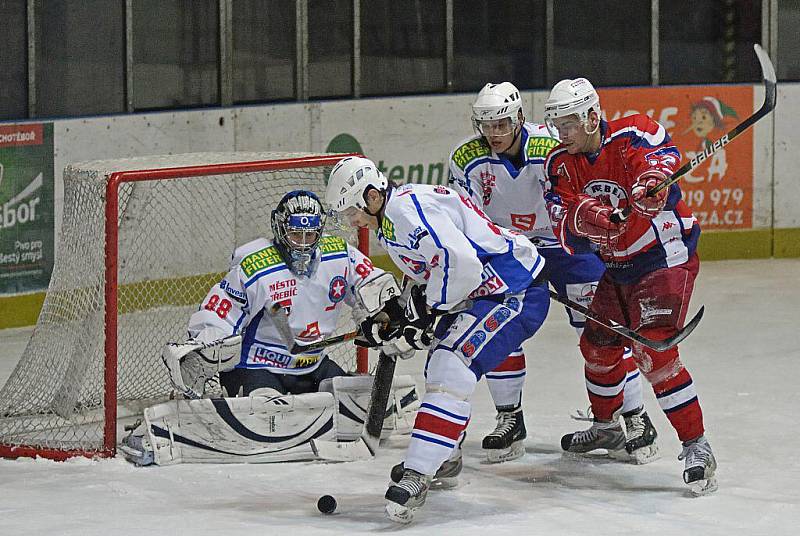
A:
(150, 235)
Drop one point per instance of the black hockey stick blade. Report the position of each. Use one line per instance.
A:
(365, 447)
(658, 346)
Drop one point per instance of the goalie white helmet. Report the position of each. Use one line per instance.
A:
(297, 224)
(348, 181)
(495, 103)
(570, 97)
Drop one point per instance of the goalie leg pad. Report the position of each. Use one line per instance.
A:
(251, 429)
(352, 393)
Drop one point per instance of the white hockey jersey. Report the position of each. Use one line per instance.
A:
(511, 198)
(258, 278)
(434, 234)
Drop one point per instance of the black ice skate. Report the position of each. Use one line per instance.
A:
(407, 496)
(505, 442)
(641, 437)
(700, 466)
(606, 435)
(446, 476)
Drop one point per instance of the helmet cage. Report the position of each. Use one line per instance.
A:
(297, 225)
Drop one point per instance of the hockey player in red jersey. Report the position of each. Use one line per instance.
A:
(600, 168)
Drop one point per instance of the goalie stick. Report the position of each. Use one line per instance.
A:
(658, 346)
(770, 98)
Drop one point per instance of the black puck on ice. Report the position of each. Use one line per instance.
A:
(326, 504)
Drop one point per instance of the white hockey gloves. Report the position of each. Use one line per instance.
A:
(192, 363)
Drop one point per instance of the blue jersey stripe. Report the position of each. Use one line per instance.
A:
(438, 243)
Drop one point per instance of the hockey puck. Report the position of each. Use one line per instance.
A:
(326, 504)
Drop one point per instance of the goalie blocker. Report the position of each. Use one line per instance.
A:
(265, 426)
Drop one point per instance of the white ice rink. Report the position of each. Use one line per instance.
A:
(745, 360)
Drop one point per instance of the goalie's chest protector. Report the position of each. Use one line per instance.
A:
(314, 305)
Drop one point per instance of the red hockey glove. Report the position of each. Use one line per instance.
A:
(645, 206)
(590, 218)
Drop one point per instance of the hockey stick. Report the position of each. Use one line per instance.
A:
(770, 99)
(658, 346)
(365, 447)
(282, 324)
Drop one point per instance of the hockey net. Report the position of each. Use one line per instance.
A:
(142, 242)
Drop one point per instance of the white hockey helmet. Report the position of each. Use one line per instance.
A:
(495, 102)
(569, 97)
(348, 181)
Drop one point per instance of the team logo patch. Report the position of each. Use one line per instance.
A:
(513, 304)
(471, 346)
(416, 267)
(540, 146)
(441, 190)
(387, 228)
(260, 260)
(471, 150)
(337, 288)
(415, 236)
(497, 318)
(609, 192)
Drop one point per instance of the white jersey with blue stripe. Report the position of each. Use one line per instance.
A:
(511, 197)
(259, 278)
(437, 236)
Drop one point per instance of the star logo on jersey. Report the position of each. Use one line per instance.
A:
(337, 288)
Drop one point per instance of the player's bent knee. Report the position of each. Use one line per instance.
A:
(448, 374)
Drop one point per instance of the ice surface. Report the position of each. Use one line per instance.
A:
(745, 360)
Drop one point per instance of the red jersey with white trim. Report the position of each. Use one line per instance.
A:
(630, 146)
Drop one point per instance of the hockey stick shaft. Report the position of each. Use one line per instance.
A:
(770, 100)
(659, 346)
(351, 335)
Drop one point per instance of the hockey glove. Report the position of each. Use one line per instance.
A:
(649, 207)
(383, 326)
(419, 320)
(589, 218)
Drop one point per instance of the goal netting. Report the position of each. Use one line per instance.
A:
(142, 241)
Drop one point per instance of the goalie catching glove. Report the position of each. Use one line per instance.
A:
(193, 363)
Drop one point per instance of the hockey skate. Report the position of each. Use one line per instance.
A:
(700, 466)
(641, 437)
(446, 476)
(606, 435)
(136, 446)
(505, 442)
(407, 496)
